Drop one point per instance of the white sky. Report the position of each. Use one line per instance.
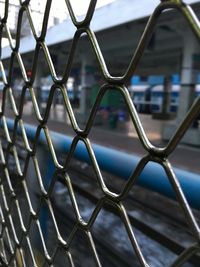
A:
(80, 6)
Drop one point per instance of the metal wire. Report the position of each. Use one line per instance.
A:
(12, 252)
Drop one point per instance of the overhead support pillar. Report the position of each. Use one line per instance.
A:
(87, 81)
(165, 112)
(167, 95)
(76, 96)
(189, 71)
(188, 74)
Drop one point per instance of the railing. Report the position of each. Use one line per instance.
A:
(121, 164)
(21, 212)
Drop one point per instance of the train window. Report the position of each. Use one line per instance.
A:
(143, 79)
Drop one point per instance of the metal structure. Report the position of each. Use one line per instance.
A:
(15, 248)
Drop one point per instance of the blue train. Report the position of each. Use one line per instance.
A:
(46, 86)
(46, 83)
(147, 94)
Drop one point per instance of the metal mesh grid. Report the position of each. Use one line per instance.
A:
(12, 246)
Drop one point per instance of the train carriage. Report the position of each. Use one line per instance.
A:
(149, 98)
(140, 95)
(157, 95)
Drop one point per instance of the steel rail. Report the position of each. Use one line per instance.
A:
(122, 164)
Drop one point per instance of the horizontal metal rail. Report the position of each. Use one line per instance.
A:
(118, 163)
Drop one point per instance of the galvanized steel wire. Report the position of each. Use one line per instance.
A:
(12, 246)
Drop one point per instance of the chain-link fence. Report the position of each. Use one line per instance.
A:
(20, 213)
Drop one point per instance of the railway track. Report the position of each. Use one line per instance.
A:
(159, 227)
(145, 217)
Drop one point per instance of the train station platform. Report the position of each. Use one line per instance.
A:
(184, 157)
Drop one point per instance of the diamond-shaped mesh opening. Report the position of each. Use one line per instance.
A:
(81, 246)
(7, 105)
